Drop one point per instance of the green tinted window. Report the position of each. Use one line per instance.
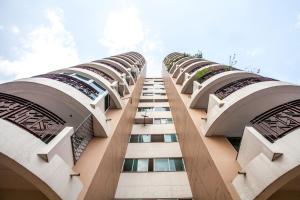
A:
(127, 165)
(170, 138)
(134, 138)
(161, 165)
(176, 164)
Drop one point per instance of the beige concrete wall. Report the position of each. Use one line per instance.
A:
(153, 185)
(153, 150)
(210, 162)
(100, 164)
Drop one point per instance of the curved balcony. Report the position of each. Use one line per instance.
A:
(120, 61)
(63, 97)
(112, 90)
(241, 106)
(119, 68)
(170, 56)
(185, 64)
(193, 67)
(177, 63)
(109, 74)
(169, 63)
(210, 84)
(273, 165)
(187, 86)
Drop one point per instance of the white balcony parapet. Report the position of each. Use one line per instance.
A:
(60, 145)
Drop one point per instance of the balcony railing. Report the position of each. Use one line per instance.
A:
(97, 71)
(212, 73)
(78, 84)
(30, 116)
(199, 66)
(278, 121)
(232, 87)
(81, 137)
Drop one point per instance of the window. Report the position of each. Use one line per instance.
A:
(106, 102)
(176, 164)
(161, 165)
(161, 108)
(161, 94)
(153, 164)
(170, 138)
(157, 138)
(135, 165)
(235, 141)
(168, 164)
(145, 109)
(147, 94)
(144, 138)
(162, 121)
(140, 138)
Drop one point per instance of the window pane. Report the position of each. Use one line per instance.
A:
(157, 138)
(97, 87)
(170, 138)
(134, 138)
(169, 120)
(135, 165)
(142, 165)
(176, 164)
(156, 121)
(162, 109)
(106, 102)
(161, 164)
(84, 79)
(164, 121)
(173, 138)
(127, 165)
(145, 138)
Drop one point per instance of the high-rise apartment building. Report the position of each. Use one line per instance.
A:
(238, 130)
(101, 130)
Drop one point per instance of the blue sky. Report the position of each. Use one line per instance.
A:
(40, 36)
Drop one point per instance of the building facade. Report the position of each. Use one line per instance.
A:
(238, 130)
(102, 130)
(64, 134)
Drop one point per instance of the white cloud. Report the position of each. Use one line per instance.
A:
(125, 31)
(1, 27)
(15, 30)
(255, 52)
(45, 48)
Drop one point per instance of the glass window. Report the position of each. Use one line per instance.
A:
(142, 165)
(140, 138)
(161, 164)
(97, 87)
(134, 138)
(145, 109)
(84, 79)
(162, 108)
(170, 138)
(156, 121)
(106, 102)
(147, 94)
(176, 164)
(145, 138)
(128, 165)
(157, 138)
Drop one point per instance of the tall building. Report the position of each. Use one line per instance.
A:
(238, 131)
(64, 134)
(101, 130)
